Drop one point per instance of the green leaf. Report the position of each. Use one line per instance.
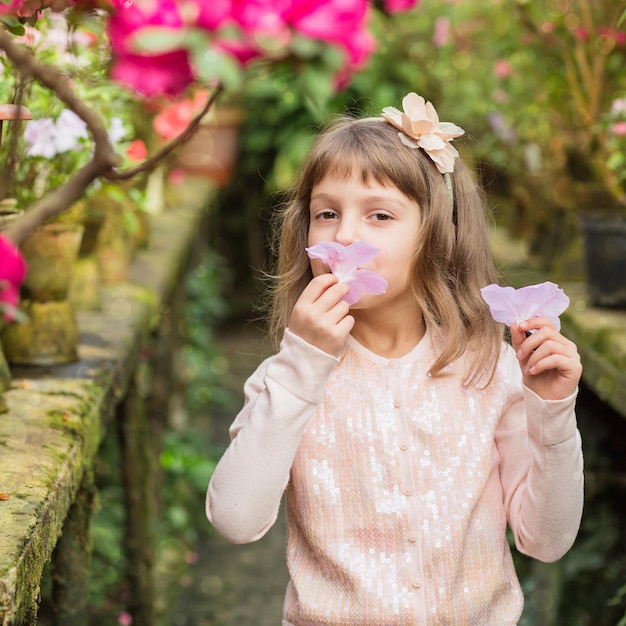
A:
(306, 48)
(159, 40)
(209, 65)
(315, 83)
(12, 24)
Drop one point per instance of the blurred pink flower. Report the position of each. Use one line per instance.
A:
(177, 176)
(125, 619)
(12, 273)
(339, 22)
(502, 69)
(619, 129)
(167, 73)
(441, 34)
(508, 305)
(345, 261)
(191, 557)
(397, 6)
(619, 36)
(137, 151)
(28, 8)
(174, 118)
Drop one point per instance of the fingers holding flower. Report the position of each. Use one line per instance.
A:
(550, 362)
(321, 314)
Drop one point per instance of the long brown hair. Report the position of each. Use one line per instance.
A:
(451, 263)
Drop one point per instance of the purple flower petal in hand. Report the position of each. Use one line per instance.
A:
(345, 261)
(509, 305)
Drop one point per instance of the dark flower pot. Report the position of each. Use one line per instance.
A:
(605, 254)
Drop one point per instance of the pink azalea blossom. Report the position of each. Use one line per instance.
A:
(441, 33)
(619, 129)
(167, 73)
(152, 75)
(137, 151)
(508, 305)
(177, 177)
(125, 619)
(397, 6)
(502, 69)
(12, 273)
(345, 262)
(341, 22)
(175, 118)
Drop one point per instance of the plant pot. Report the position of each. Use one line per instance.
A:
(213, 149)
(50, 334)
(50, 253)
(114, 249)
(605, 255)
(8, 213)
(85, 291)
(49, 337)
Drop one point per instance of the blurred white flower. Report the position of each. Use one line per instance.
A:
(47, 138)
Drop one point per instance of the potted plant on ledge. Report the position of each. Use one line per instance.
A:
(603, 214)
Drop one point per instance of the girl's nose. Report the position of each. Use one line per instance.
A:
(346, 233)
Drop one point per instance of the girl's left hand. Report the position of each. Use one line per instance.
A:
(550, 363)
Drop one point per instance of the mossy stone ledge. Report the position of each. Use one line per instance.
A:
(58, 416)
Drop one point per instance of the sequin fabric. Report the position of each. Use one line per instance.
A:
(396, 506)
(399, 486)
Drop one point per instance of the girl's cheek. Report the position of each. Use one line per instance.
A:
(318, 268)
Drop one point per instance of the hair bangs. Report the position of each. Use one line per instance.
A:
(364, 146)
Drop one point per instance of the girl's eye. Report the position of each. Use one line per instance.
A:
(326, 215)
(381, 217)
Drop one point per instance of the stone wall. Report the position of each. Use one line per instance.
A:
(58, 416)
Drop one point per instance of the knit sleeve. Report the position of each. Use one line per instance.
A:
(244, 494)
(541, 469)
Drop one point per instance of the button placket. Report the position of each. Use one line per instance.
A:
(408, 489)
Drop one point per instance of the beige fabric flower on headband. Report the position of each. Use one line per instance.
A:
(421, 128)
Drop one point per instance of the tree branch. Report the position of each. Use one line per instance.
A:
(104, 157)
(104, 160)
(153, 161)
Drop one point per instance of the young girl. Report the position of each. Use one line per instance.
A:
(405, 432)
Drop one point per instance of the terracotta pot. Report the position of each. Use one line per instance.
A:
(213, 149)
(85, 291)
(49, 337)
(50, 334)
(114, 249)
(50, 253)
(8, 213)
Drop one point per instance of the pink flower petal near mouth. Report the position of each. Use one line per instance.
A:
(508, 305)
(345, 261)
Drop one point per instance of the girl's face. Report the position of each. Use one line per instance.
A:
(345, 210)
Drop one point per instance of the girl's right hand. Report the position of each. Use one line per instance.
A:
(320, 316)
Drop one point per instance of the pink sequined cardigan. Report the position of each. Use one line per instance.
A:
(399, 486)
